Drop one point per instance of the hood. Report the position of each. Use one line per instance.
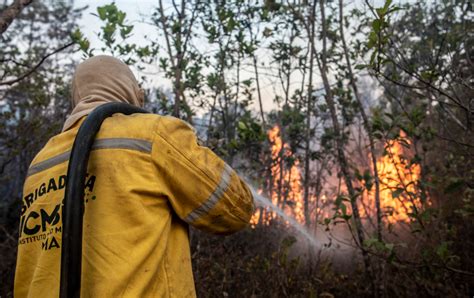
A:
(99, 80)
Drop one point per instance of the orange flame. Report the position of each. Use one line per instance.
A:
(398, 180)
(286, 190)
(398, 185)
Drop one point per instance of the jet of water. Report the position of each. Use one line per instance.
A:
(262, 201)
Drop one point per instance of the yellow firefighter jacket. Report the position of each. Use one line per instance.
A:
(147, 180)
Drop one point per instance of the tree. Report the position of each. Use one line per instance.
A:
(33, 105)
(178, 28)
(11, 12)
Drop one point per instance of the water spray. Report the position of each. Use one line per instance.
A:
(262, 201)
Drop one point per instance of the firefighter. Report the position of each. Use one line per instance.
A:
(148, 179)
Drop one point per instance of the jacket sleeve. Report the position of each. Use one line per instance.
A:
(203, 190)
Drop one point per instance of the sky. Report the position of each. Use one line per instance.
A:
(138, 10)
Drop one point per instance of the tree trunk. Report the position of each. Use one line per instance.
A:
(259, 93)
(309, 108)
(341, 157)
(11, 12)
(365, 120)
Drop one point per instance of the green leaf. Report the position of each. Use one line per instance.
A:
(84, 44)
(361, 66)
(377, 25)
(230, 25)
(76, 36)
(125, 31)
(372, 58)
(396, 193)
(343, 208)
(372, 40)
(380, 12)
(121, 17)
(394, 9)
(387, 4)
(242, 125)
(102, 11)
(247, 83)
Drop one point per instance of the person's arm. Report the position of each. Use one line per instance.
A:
(203, 190)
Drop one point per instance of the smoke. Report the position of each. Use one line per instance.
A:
(335, 245)
(262, 201)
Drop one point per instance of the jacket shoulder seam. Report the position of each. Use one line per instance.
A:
(188, 160)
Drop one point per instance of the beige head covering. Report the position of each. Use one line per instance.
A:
(99, 80)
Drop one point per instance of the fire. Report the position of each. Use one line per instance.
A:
(398, 180)
(398, 185)
(286, 190)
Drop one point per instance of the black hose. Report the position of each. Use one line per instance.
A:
(73, 208)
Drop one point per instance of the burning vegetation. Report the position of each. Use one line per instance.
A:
(399, 181)
(285, 183)
(398, 178)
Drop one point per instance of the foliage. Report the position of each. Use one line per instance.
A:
(33, 108)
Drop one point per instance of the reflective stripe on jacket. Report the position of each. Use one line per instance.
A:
(147, 178)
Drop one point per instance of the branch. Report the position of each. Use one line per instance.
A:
(23, 76)
(11, 12)
(5, 164)
(427, 84)
(166, 34)
(191, 23)
(405, 112)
